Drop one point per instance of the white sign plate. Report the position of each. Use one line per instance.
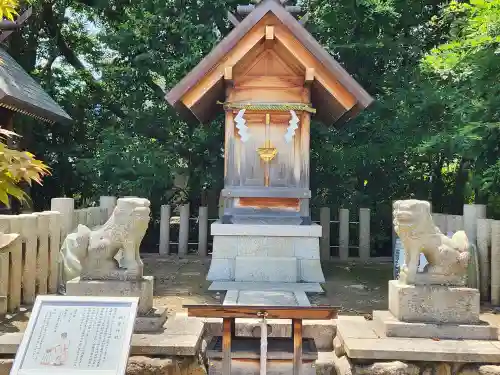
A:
(77, 335)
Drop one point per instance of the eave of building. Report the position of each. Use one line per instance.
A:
(19, 92)
(335, 94)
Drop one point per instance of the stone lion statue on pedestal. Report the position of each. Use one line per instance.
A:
(90, 254)
(448, 257)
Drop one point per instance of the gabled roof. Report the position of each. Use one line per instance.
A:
(329, 110)
(21, 93)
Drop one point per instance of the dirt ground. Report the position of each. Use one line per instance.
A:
(356, 289)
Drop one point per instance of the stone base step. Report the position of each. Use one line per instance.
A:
(360, 340)
(392, 327)
(265, 286)
(267, 298)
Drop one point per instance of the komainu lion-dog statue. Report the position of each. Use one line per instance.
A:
(448, 257)
(91, 254)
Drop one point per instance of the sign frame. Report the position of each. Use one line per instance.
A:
(85, 301)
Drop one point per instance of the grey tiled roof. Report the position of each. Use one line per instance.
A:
(20, 92)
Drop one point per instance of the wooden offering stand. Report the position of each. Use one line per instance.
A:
(248, 349)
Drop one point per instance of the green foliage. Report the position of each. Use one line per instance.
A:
(17, 166)
(8, 9)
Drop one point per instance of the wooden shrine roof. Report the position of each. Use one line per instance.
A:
(21, 93)
(329, 109)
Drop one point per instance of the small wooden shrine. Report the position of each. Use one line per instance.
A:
(270, 76)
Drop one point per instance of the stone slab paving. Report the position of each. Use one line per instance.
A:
(181, 336)
(267, 298)
(361, 340)
(265, 286)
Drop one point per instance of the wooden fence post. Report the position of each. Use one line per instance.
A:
(483, 245)
(165, 230)
(472, 212)
(16, 268)
(66, 206)
(184, 230)
(54, 248)
(364, 233)
(344, 233)
(4, 267)
(42, 262)
(107, 203)
(203, 231)
(30, 238)
(324, 220)
(495, 262)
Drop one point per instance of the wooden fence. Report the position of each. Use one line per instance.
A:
(30, 265)
(336, 233)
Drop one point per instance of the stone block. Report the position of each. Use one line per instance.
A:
(433, 303)
(218, 229)
(151, 322)
(310, 271)
(305, 247)
(142, 365)
(225, 247)
(221, 270)
(274, 269)
(395, 328)
(115, 288)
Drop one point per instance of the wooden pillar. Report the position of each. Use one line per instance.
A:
(344, 234)
(324, 218)
(227, 334)
(364, 233)
(203, 231)
(165, 230)
(184, 230)
(297, 346)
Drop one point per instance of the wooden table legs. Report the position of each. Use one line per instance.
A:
(228, 332)
(227, 335)
(297, 346)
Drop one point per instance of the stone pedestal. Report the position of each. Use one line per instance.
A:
(433, 303)
(149, 318)
(269, 253)
(433, 311)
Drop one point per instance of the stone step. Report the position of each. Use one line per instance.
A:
(266, 286)
(271, 269)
